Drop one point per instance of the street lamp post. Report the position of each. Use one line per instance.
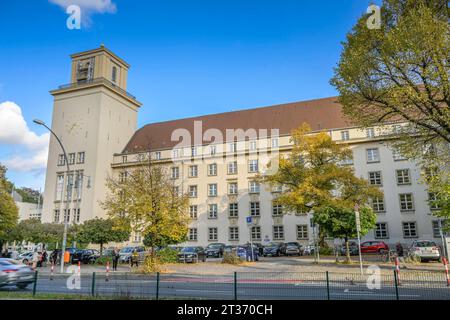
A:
(66, 213)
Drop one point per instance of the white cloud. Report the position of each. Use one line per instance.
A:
(89, 6)
(30, 149)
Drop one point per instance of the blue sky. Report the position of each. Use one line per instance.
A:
(187, 58)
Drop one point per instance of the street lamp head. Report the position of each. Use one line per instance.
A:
(39, 122)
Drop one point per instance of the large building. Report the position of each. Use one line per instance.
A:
(215, 159)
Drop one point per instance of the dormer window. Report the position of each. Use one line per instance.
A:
(114, 74)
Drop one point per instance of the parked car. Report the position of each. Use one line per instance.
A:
(272, 249)
(309, 250)
(352, 248)
(229, 249)
(291, 248)
(374, 247)
(13, 273)
(260, 248)
(245, 252)
(125, 253)
(85, 256)
(215, 250)
(426, 250)
(25, 258)
(192, 254)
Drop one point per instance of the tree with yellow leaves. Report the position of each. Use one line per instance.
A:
(146, 202)
(314, 178)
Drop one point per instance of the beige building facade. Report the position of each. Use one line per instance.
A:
(215, 159)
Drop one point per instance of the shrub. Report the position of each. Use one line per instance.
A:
(103, 259)
(231, 258)
(167, 255)
(326, 251)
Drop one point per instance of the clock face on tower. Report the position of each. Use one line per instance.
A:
(74, 125)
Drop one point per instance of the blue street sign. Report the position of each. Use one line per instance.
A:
(249, 219)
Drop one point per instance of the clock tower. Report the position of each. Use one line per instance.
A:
(94, 117)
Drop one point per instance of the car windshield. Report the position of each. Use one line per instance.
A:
(126, 250)
(271, 244)
(5, 263)
(188, 249)
(423, 244)
(214, 246)
(292, 244)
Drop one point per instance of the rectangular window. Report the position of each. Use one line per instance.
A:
(432, 198)
(212, 234)
(212, 190)
(406, 202)
(381, 230)
(59, 187)
(370, 132)
(193, 209)
(69, 186)
(254, 187)
(175, 153)
(375, 178)
(233, 188)
(157, 155)
(256, 233)
(76, 216)
(233, 234)
(403, 176)
(373, 155)
(61, 160)
(193, 151)
(378, 205)
(277, 209)
(176, 190)
(278, 232)
(233, 211)
(71, 158)
(212, 150)
(124, 159)
(232, 147)
(193, 191)
(212, 169)
(123, 176)
(254, 209)
(232, 167)
(174, 172)
(252, 145)
(277, 188)
(436, 225)
(66, 215)
(78, 186)
(302, 232)
(192, 234)
(253, 166)
(81, 156)
(212, 211)
(275, 143)
(397, 155)
(56, 215)
(409, 230)
(345, 135)
(193, 171)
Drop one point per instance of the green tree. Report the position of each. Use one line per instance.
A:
(314, 177)
(9, 213)
(400, 73)
(340, 222)
(147, 203)
(101, 231)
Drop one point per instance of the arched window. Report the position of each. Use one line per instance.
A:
(114, 74)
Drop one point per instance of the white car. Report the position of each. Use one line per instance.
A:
(25, 258)
(426, 250)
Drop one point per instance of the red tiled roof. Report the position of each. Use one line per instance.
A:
(320, 114)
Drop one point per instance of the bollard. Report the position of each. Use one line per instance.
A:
(328, 286)
(445, 262)
(52, 270)
(35, 282)
(79, 268)
(235, 285)
(107, 271)
(93, 284)
(397, 270)
(157, 286)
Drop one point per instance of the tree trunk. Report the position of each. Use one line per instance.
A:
(101, 249)
(347, 250)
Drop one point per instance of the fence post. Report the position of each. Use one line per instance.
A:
(157, 286)
(235, 285)
(328, 286)
(396, 285)
(35, 282)
(93, 284)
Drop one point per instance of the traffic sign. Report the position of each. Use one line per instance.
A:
(249, 219)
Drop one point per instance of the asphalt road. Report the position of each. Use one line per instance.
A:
(248, 288)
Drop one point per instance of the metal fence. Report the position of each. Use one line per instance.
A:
(248, 286)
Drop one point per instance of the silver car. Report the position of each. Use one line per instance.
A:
(426, 250)
(13, 273)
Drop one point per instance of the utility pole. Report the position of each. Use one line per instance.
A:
(358, 229)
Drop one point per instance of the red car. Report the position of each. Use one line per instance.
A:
(374, 247)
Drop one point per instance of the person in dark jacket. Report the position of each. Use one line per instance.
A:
(115, 258)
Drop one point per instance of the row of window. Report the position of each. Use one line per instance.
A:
(255, 233)
(232, 168)
(72, 157)
(75, 215)
(345, 135)
(233, 210)
(253, 187)
(406, 201)
(403, 177)
(74, 185)
(409, 230)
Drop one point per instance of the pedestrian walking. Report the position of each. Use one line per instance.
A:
(35, 259)
(400, 254)
(134, 258)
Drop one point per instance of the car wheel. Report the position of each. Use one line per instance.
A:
(22, 285)
(25, 261)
